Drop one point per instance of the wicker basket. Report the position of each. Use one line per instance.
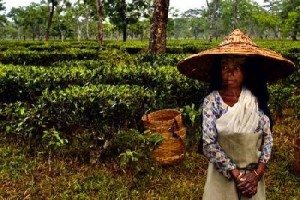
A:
(181, 133)
(169, 152)
(169, 124)
(162, 120)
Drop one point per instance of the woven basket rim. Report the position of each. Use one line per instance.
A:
(151, 116)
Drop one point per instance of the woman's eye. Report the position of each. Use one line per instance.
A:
(225, 68)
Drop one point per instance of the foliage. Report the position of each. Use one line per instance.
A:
(53, 139)
(71, 106)
(122, 13)
(28, 176)
(291, 16)
(61, 24)
(193, 121)
(2, 17)
(291, 23)
(280, 97)
(19, 57)
(128, 157)
(270, 21)
(242, 16)
(76, 20)
(102, 108)
(170, 86)
(133, 149)
(86, 98)
(20, 83)
(295, 103)
(140, 29)
(31, 18)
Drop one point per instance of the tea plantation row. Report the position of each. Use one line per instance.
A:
(78, 88)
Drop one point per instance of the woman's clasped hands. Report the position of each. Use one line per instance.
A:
(247, 183)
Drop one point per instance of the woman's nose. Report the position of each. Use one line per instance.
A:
(231, 70)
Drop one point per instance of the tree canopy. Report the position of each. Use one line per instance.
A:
(131, 18)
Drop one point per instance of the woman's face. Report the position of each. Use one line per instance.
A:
(232, 74)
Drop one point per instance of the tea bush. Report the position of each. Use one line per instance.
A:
(78, 86)
(43, 58)
(102, 109)
(20, 83)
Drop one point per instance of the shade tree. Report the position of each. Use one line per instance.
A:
(158, 31)
(122, 12)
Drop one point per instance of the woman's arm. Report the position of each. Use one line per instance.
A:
(249, 185)
(210, 146)
(267, 141)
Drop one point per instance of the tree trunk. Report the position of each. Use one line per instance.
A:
(235, 14)
(124, 17)
(294, 34)
(61, 33)
(50, 17)
(33, 32)
(212, 10)
(78, 31)
(87, 20)
(275, 31)
(24, 34)
(158, 32)
(19, 33)
(99, 6)
(124, 30)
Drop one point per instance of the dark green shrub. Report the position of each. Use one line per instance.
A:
(155, 60)
(295, 103)
(279, 97)
(129, 139)
(103, 109)
(45, 58)
(174, 50)
(133, 50)
(18, 83)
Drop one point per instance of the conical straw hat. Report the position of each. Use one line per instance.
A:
(273, 65)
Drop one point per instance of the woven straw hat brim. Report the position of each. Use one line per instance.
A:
(273, 65)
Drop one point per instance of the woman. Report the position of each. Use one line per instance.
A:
(236, 125)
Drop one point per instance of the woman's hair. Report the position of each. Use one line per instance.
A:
(253, 80)
(216, 75)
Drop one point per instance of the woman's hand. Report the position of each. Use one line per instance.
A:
(248, 184)
(235, 173)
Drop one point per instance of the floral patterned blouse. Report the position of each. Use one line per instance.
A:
(213, 108)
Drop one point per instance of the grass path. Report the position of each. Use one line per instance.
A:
(36, 177)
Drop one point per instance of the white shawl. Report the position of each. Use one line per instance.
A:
(243, 117)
